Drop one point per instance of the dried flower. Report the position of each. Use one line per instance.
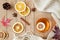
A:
(6, 6)
(5, 22)
(57, 33)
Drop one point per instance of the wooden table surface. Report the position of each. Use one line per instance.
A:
(31, 18)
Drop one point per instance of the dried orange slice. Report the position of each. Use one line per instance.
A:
(20, 6)
(26, 12)
(18, 27)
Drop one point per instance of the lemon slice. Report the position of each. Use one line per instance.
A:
(26, 12)
(20, 6)
(40, 26)
(18, 27)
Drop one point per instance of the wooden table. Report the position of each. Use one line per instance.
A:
(31, 18)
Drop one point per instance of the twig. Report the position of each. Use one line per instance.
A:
(25, 21)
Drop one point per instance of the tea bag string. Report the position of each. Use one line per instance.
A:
(17, 14)
(6, 16)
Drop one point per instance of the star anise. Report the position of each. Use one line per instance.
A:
(57, 33)
(33, 9)
(15, 15)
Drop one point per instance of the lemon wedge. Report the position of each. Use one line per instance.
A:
(40, 26)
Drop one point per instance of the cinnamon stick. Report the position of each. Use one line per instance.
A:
(25, 21)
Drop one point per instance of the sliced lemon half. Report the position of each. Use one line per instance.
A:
(20, 6)
(40, 26)
(18, 27)
(26, 12)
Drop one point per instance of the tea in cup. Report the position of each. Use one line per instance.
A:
(42, 25)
